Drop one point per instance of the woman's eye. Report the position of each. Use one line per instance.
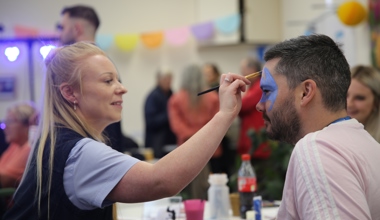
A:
(109, 81)
(360, 98)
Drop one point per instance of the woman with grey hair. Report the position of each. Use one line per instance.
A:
(189, 112)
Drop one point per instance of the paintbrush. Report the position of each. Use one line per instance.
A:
(250, 76)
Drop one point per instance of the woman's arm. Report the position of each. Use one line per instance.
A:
(167, 177)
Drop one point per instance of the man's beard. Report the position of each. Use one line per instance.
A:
(285, 124)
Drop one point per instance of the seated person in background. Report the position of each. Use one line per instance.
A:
(363, 98)
(158, 133)
(188, 113)
(83, 95)
(3, 143)
(13, 160)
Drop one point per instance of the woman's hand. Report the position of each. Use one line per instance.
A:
(231, 86)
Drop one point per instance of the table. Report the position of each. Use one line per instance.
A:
(136, 211)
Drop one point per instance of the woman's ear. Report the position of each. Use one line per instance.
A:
(67, 92)
(309, 89)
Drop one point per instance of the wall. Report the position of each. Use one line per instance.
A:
(298, 14)
(137, 68)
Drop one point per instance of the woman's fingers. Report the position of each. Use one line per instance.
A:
(229, 78)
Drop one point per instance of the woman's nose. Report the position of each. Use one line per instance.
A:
(122, 90)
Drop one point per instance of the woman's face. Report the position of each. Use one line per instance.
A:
(15, 130)
(100, 102)
(209, 74)
(360, 101)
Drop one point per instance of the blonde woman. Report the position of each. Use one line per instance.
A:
(363, 98)
(73, 174)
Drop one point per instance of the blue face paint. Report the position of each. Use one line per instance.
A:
(269, 88)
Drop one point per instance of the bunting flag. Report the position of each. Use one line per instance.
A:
(126, 42)
(23, 31)
(228, 24)
(104, 41)
(203, 31)
(153, 39)
(177, 36)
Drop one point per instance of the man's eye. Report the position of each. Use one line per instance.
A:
(59, 27)
(265, 91)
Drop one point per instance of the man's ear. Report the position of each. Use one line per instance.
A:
(67, 92)
(309, 90)
(78, 27)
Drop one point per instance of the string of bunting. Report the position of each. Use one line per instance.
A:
(204, 31)
(176, 37)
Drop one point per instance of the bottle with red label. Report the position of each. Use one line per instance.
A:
(246, 185)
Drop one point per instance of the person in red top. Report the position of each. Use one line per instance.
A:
(188, 113)
(250, 118)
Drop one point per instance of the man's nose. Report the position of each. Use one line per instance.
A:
(260, 107)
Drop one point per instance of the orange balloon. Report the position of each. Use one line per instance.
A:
(351, 13)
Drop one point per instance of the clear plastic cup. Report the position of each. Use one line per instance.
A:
(194, 209)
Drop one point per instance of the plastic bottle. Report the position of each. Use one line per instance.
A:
(246, 185)
(218, 196)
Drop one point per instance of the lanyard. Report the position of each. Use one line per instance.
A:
(341, 119)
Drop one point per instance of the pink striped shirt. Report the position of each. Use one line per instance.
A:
(333, 173)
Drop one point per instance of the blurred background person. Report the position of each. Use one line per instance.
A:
(80, 23)
(252, 120)
(212, 74)
(363, 98)
(188, 112)
(158, 133)
(13, 160)
(3, 143)
(225, 162)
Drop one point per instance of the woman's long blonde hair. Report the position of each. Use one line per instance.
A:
(63, 65)
(370, 77)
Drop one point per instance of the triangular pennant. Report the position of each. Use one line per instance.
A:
(229, 24)
(177, 36)
(203, 31)
(104, 41)
(126, 42)
(23, 31)
(152, 39)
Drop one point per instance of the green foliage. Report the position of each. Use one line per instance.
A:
(272, 182)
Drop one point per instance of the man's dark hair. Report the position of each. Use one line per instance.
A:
(84, 12)
(315, 57)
